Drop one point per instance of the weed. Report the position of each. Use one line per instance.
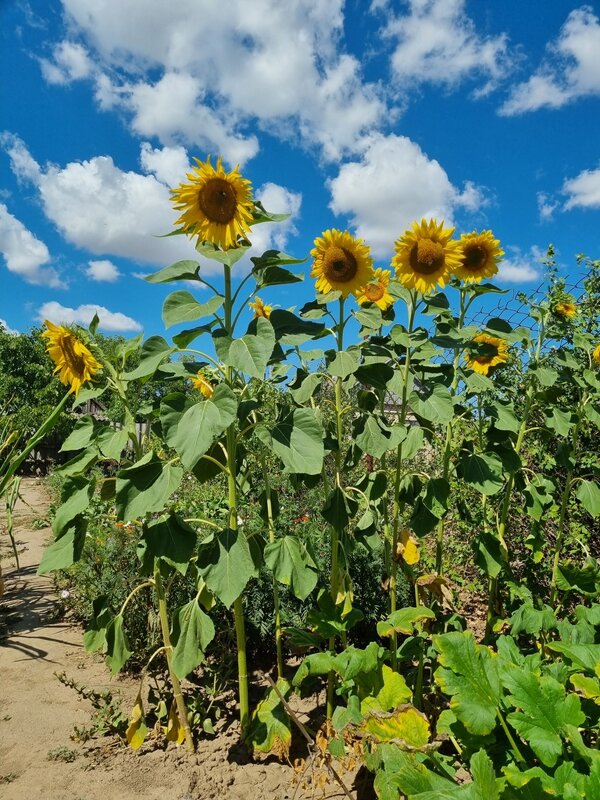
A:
(62, 753)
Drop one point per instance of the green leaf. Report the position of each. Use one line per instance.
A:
(469, 673)
(66, 549)
(304, 385)
(182, 306)
(436, 497)
(543, 711)
(78, 465)
(483, 471)
(584, 579)
(297, 440)
(338, 509)
(437, 407)
(202, 423)
(504, 417)
(588, 494)
(407, 727)
(539, 495)
(192, 633)
(292, 330)
(227, 257)
(393, 693)
(81, 435)
(344, 363)
(414, 441)
(374, 437)
(559, 422)
(154, 351)
(405, 621)
(179, 271)
(528, 619)
(225, 563)
(270, 728)
(117, 646)
(170, 539)
(112, 442)
(584, 657)
(76, 493)
(292, 565)
(314, 664)
(184, 338)
(145, 487)
(252, 352)
(376, 375)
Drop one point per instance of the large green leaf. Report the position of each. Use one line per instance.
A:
(117, 646)
(182, 306)
(179, 271)
(375, 438)
(543, 710)
(81, 435)
(225, 563)
(201, 424)
(154, 351)
(270, 728)
(298, 441)
(405, 621)
(193, 631)
(112, 442)
(392, 694)
(437, 406)
(343, 363)
(582, 656)
(76, 494)
(170, 539)
(470, 674)
(588, 494)
(483, 471)
(252, 352)
(146, 486)
(292, 330)
(292, 565)
(65, 550)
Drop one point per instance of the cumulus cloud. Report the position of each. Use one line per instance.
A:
(191, 74)
(519, 267)
(546, 206)
(7, 329)
(103, 271)
(392, 185)
(70, 62)
(83, 315)
(583, 190)
(278, 200)
(24, 253)
(437, 42)
(168, 164)
(570, 70)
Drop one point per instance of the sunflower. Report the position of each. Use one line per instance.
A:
(341, 263)
(376, 291)
(498, 354)
(260, 309)
(596, 354)
(74, 362)
(426, 255)
(480, 253)
(565, 309)
(217, 205)
(203, 386)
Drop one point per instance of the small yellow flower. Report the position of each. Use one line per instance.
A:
(74, 362)
(376, 291)
(203, 386)
(565, 309)
(596, 354)
(341, 263)
(480, 254)
(217, 206)
(426, 256)
(484, 363)
(260, 309)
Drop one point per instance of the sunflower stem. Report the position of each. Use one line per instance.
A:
(276, 603)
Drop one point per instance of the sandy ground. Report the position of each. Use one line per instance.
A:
(38, 714)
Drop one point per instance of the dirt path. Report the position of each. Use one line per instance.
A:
(38, 714)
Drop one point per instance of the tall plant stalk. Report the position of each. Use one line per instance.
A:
(276, 602)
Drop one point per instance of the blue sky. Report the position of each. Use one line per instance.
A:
(358, 115)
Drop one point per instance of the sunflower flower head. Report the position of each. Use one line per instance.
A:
(565, 309)
(376, 291)
(203, 385)
(216, 205)
(426, 256)
(494, 354)
(480, 254)
(74, 363)
(260, 309)
(341, 263)
(596, 355)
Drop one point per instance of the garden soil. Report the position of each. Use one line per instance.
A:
(40, 756)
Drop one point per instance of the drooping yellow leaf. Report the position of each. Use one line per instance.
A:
(174, 731)
(588, 687)
(137, 730)
(408, 547)
(406, 726)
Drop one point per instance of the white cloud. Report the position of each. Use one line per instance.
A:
(394, 184)
(7, 328)
(103, 270)
(278, 200)
(83, 315)
(520, 267)
(570, 70)
(170, 165)
(583, 190)
(24, 254)
(70, 63)
(546, 206)
(196, 73)
(438, 43)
